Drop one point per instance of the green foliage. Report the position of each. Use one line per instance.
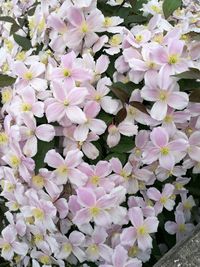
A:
(22, 41)
(169, 6)
(6, 80)
(43, 148)
(120, 156)
(125, 145)
(192, 73)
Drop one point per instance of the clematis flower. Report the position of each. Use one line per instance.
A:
(30, 76)
(164, 92)
(97, 126)
(70, 246)
(66, 103)
(141, 229)
(68, 71)
(83, 27)
(162, 199)
(179, 227)
(163, 150)
(194, 146)
(30, 133)
(93, 207)
(10, 245)
(96, 247)
(120, 259)
(170, 57)
(66, 168)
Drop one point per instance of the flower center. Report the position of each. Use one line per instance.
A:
(173, 59)
(142, 230)
(38, 181)
(45, 259)
(181, 227)
(84, 27)
(66, 103)
(62, 170)
(163, 200)
(6, 96)
(163, 95)
(168, 119)
(107, 22)
(37, 238)
(38, 214)
(66, 72)
(155, 8)
(67, 248)
(93, 249)
(15, 161)
(133, 251)
(115, 40)
(26, 107)
(3, 138)
(138, 38)
(164, 151)
(28, 76)
(94, 211)
(95, 179)
(6, 247)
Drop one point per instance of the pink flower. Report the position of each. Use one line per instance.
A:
(30, 133)
(93, 207)
(96, 247)
(10, 245)
(66, 168)
(97, 126)
(162, 200)
(68, 71)
(70, 246)
(98, 175)
(30, 76)
(170, 57)
(83, 27)
(163, 150)
(126, 128)
(179, 227)
(66, 103)
(194, 148)
(120, 259)
(141, 230)
(164, 92)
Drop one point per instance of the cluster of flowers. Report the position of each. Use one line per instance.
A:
(74, 209)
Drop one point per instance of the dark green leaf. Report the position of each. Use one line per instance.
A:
(6, 80)
(135, 19)
(21, 21)
(125, 145)
(194, 36)
(22, 41)
(122, 90)
(7, 19)
(188, 85)
(137, 5)
(120, 156)
(169, 6)
(192, 73)
(195, 96)
(14, 28)
(120, 116)
(139, 106)
(43, 148)
(105, 117)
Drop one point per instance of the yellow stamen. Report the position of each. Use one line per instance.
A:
(95, 179)
(3, 138)
(142, 230)
(107, 22)
(181, 228)
(38, 181)
(173, 59)
(67, 248)
(66, 73)
(133, 251)
(94, 211)
(28, 76)
(62, 170)
(164, 151)
(38, 214)
(84, 27)
(45, 259)
(6, 96)
(163, 200)
(15, 161)
(26, 107)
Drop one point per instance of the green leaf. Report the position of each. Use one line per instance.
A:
(122, 90)
(139, 106)
(14, 28)
(120, 156)
(192, 73)
(43, 148)
(169, 6)
(188, 85)
(105, 117)
(6, 80)
(195, 96)
(24, 42)
(125, 145)
(7, 19)
(135, 19)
